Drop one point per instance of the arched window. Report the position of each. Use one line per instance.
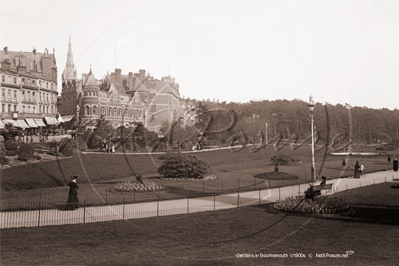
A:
(85, 93)
(135, 114)
(119, 112)
(110, 112)
(87, 110)
(141, 113)
(126, 112)
(94, 110)
(115, 111)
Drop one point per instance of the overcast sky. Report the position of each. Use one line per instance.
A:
(242, 50)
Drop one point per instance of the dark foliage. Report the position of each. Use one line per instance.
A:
(11, 153)
(183, 166)
(283, 159)
(11, 145)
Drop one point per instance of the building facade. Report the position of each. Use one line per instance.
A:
(121, 99)
(28, 88)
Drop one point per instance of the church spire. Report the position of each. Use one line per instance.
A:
(69, 71)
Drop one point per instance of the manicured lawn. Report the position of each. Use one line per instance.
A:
(99, 173)
(217, 238)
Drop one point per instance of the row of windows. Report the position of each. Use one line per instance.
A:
(113, 111)
(90, 93)
(26, 82)
(27, 109)
(42, 95)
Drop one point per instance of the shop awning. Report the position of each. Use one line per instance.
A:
(39, 122)
(31, 122)
(59, 119)
(68, 118)
(6, 121)
(50, 121)
(1, 124)
(22, 124)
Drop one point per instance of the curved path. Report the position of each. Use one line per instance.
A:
(178, 206)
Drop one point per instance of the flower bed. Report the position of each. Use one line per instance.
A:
(139, 187)
(321, 205)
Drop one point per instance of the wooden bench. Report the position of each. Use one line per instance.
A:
(319, 188)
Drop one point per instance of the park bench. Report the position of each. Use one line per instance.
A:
(319, 188)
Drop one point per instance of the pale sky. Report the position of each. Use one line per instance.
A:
(237, 50)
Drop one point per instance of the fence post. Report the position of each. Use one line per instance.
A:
(84, 211)
(106, 196)
(259, 196)
(203, 187)
(157, 206)
(385, 179)
(214, 202)
(182, 190)
(279, 193)
(238, 199)
(38, 218)
(40, 192)
(239, 186)
(188, 211)
(123, 210)
(255, 181)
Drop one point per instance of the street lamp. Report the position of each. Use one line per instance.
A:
(311, 106)
(266, 138)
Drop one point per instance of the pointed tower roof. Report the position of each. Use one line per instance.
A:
(70, 71)
(90, 80)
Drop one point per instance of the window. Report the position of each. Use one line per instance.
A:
(3, 79)
(9, 108)
(33, 83)
(23, 109)
(15, 94)
(94, 110)
(119, 112)
(15, 107)
(34, 109)
(87, 110)
(126, 112)
(110, 111)
(28, 109)
(103, 110)
(28, 96)
(3, 93)
(3, 108)
(115, 111)
(15, 80)
(23, 81)
(47, 85)
(9, 93)
(33, 95)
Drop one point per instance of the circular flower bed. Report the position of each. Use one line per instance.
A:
(321, 205)
(139, 187)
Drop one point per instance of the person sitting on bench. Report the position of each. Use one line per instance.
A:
(323, 182)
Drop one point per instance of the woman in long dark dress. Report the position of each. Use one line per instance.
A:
(395, 164)
(72, 202)
(357, 170)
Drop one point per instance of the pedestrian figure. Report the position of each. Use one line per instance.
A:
(343, 163)
(72, 202)
(389, 158)
(357, 170)
(395, 164)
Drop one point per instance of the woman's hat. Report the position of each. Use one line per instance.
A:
(74, 177)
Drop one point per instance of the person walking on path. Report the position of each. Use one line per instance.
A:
(72, 202)
(357, 170)
(395, 164)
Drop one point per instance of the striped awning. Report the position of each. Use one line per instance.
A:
(39, 122)
(31, 122)
(22, 124)
(50, 121)
(13, 122)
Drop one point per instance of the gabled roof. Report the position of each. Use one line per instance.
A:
(90, 80)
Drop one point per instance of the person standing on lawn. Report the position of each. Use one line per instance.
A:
(72, 202)
(357, 170)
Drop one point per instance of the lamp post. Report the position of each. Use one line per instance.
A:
(266, 138)
(311, 106)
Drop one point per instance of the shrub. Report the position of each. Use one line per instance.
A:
(37, 157)
(183, 166)
(283, 159)
(28, 149)
(94, 142)
(3, 159)
(24, 156)
(67, 150)
(11, 145)
(11, 153)
(319, 206)
(139, 187)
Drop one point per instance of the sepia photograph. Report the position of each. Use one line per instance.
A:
(199, 132)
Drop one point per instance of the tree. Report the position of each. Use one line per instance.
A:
(106, 132)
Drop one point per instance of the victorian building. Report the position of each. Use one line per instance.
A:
(28, 88)
(120, 99)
